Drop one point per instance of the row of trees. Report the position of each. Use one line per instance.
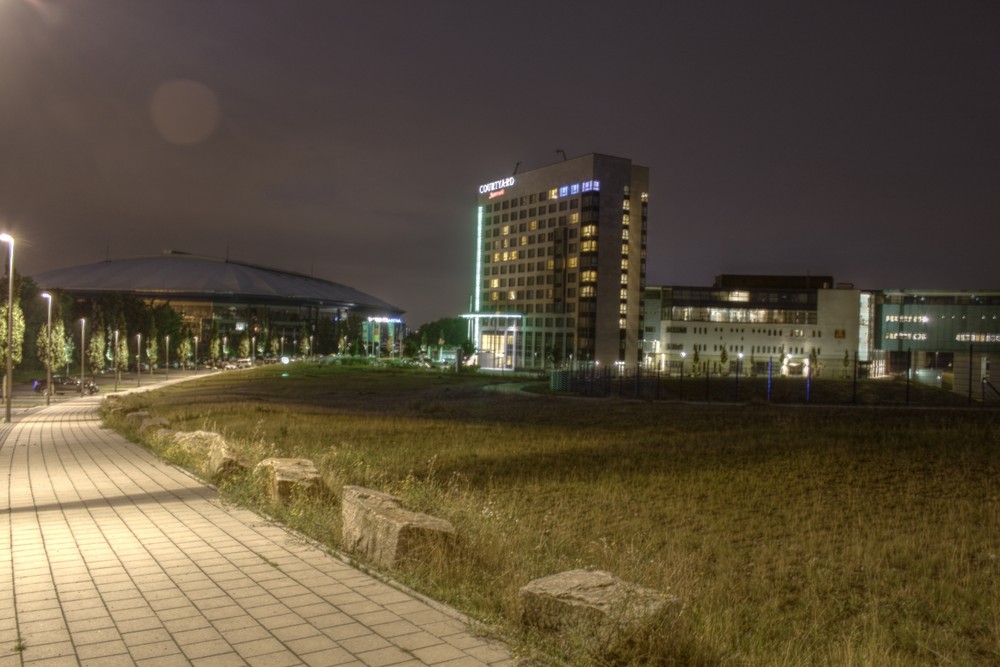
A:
(130, 321)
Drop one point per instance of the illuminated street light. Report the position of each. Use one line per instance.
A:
(83, 348)
(9, 381)
(196, 354)
(48, 350)
(117, 370)
(739, 362)
(166, 367)
(138, 359)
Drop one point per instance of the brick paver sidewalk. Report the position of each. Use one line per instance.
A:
(110, 557)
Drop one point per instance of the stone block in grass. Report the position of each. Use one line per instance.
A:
(378, 528)
(591, 599)
(284, 478)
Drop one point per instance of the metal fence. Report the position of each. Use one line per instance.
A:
(902, 389)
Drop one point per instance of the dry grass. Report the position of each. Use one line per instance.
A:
(794, 536)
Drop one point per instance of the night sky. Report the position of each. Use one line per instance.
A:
(347, 140)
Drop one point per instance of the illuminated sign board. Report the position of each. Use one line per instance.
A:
(496, 185)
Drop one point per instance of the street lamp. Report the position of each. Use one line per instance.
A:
(117, 370)
(166, 367)
(83, 348)
(681, 390)
(9, 381)
(196, 354)
(138, 359)
(739, 360)
(48, 349)
(253, 349)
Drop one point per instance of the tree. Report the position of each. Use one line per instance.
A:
(215, 347)
(695, 360)
(96, 347)
(245, 345)
(723, 361)
(152, 350)
(184, 348)
(304, 342)
(56, 352)
(123, 352)
(18, 335)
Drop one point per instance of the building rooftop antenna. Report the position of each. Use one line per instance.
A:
(515, 169)
(561, 152)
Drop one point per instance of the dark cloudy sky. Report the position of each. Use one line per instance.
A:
(347, 140)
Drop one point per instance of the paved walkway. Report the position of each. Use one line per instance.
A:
(110, 557)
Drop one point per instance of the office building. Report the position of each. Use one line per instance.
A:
(561, 265)
(754, 324)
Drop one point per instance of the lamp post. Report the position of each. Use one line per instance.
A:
(9, 379)
(739, 361)
(681, 390)
(83, 348)
(117, 370)
(196, 354)
(166, 358)
(48, 349)
(253, 349)
(138, 359)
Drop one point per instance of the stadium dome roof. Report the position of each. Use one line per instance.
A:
(181, 276)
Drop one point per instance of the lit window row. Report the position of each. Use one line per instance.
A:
(588, 246)
(588, 231)
(588, 276)
(905, 335)
(574, 189)
(911, 319)
(978, 338)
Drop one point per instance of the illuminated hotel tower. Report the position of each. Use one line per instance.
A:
(561, 265)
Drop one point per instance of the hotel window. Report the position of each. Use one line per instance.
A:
(513, 255)
(494, 296)
(623, 294)
(587, 291)
(533, 225)
(625, 234)
(505, 230)
(644, 196)
(588, 276)
(524, 240)
(554, 193)
(624, 248)
(625, 220)
(624, 279)
(622, 323)
(506, 256)
(495, 283)
(572, 262)
(588, 231)
(624, 263)
(571, 277)
(588, 246)
(625, 205)
(574, 218)
(511, 295)
(551, 264)
(623, 308)
(496, 257)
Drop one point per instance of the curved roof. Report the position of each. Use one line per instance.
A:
(182, 276)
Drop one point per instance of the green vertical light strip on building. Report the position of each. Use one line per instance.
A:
(479, 259)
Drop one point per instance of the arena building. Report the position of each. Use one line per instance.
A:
(221, 295)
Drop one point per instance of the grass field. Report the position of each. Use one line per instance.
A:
(794, 535)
